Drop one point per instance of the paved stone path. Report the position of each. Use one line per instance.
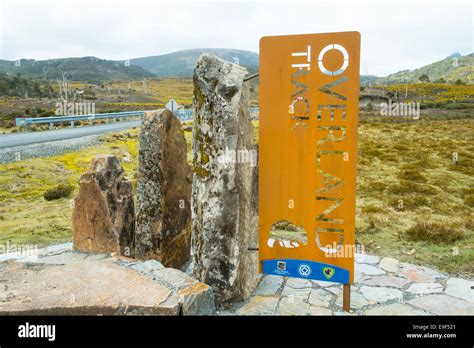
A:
(383, 286)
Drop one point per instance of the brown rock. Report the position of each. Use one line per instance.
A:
(103, 219)
(89, 287)
(71, 283)
(164, 191)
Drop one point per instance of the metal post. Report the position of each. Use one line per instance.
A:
(115, 119)
(72, 124)
(346, 297)
(51, 125)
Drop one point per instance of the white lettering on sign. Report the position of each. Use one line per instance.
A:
(306, 54)
(335, 114)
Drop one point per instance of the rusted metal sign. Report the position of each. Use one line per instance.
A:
(309, 88)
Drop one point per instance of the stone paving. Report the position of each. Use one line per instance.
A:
(383, 286)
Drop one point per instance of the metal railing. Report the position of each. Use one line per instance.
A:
(125, 116)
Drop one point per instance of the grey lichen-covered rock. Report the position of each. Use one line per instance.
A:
(225, 222)
(164, 191)
(103, 219)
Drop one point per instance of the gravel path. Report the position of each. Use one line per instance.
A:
(52, 148)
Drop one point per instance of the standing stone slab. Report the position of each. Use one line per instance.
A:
(164, 191)
(103, 219)
(225, 222)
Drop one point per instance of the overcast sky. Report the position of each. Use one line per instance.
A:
(396, 35)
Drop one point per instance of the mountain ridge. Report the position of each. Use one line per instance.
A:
(181, 64)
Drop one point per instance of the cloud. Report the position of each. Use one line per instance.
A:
(396, 35)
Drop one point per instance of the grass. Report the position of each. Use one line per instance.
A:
(406, 176)
(285, 230)
(26, 217)
(434, 233)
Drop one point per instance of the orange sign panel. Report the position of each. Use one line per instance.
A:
(309, 90)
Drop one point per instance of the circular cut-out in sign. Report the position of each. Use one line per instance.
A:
(345, 63)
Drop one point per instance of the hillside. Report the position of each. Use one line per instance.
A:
(90, 69)
(446, 69)
(181, 63)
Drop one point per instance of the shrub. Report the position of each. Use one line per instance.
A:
(434, 233)
(469, 200)
(371, 226)
(408, 202)
(285, 226)
(372, 208)
(469, 223)
(424, 78)
(405, 187)
(412, 175)
(60, 191)
(47, 114)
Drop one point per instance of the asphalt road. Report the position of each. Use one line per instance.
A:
(26, 138)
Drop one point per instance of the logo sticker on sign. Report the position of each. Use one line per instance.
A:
(309, 91)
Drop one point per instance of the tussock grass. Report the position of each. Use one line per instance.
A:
(469, 200)
(434, 233)
(427, 183)
(412, 175)
(372, 208)
(60, 191)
